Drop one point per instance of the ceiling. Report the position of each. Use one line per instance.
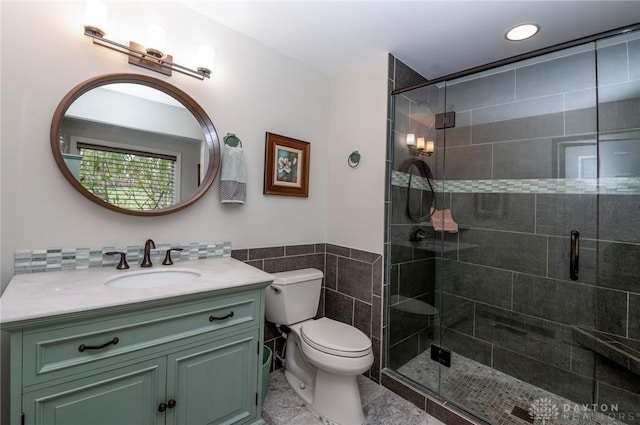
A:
(435, 38)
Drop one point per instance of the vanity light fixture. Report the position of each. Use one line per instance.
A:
(522, 32)
(152, 58)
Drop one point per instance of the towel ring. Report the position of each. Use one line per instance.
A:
(231, 140)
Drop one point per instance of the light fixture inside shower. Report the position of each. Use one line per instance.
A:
(420, 144)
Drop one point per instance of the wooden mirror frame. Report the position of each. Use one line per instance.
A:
(191, 105)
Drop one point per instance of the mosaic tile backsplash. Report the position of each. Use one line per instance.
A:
(603, 186)
(48, 260)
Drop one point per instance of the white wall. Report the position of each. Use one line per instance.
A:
(358, 123)
(253, 89)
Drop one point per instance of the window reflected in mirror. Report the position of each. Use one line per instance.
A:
(135, 144)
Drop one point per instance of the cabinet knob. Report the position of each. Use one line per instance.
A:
(168, 405)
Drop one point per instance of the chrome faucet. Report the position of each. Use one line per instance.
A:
(146, 260)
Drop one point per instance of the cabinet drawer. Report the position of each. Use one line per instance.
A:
(58, 352)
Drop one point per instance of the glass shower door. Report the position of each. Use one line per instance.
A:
(541, 175)
(519, 298)
(514, 174)
(414, 245)
(614, 268)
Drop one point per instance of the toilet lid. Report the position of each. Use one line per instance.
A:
(337, 338)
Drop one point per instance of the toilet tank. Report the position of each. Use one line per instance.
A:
(293, 296)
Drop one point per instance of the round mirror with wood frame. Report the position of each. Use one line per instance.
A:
(135, 144)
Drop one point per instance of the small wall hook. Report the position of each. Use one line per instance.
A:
(354, 159)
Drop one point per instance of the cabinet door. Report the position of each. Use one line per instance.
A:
(214, 384)
(125, 396)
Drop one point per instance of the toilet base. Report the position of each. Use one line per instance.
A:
(333, 397)
(337, 399)
(335, 404)
(305, 392)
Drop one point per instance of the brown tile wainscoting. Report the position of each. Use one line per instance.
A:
(352, 288)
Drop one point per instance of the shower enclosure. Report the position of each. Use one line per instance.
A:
(524, 307)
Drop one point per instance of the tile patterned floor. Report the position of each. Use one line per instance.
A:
(494, 394)
(381, 407)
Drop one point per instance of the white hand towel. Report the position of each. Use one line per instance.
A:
(233, 174)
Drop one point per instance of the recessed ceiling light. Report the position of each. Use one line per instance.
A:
(522, 32)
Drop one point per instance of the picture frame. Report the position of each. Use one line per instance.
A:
(286, 166)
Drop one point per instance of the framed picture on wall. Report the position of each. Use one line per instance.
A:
(286, 166)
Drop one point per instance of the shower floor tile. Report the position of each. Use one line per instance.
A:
(497, 397)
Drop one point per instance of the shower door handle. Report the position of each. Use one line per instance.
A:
(574, 255)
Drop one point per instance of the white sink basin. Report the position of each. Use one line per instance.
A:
(152, 278)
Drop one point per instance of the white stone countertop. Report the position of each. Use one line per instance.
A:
(38, 295)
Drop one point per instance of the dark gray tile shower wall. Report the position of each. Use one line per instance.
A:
(529, 326)
(504, 295)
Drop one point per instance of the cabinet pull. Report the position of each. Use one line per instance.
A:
(171, 404)
(162, 407)
(212, 318)
(83, 347)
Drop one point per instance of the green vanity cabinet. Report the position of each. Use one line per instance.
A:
(191, 360)
(229, 398)
(124, 396)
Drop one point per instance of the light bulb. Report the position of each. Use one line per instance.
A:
(95, 16)
(206, 58)
(156, 38)
(430, 146)
(411, 139)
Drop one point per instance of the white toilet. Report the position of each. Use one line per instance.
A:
(323, 357)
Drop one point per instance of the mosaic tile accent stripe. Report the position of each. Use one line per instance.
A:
(605, 186)
(49, 260)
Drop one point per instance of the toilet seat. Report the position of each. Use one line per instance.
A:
(335, 338)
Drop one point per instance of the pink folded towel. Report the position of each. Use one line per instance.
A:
(442, 221)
